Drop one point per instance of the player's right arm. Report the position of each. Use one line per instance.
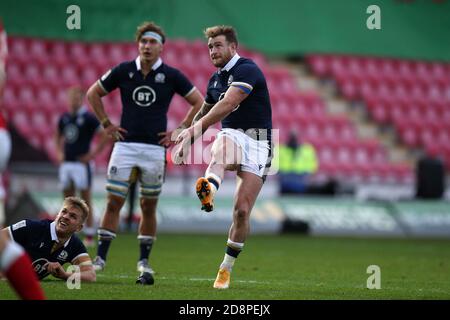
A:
(59, 143)
(202, 112)
(94, 95)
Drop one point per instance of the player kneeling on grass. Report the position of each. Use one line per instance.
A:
(51, 244)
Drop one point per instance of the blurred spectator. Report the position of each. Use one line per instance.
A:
(5, 139)
(297, 161)
(430, 175)
(76, 130)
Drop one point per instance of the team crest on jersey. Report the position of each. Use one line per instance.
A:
(80, 121)
(63, 255)
(113, 170)
(215, 84)
(160, 78)
(230, 80)
(144, 96)
(71, 133)
(131, 74)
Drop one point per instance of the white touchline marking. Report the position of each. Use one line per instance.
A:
(124, 276)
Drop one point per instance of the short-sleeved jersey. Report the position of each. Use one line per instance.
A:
(78, 131)
(254, 111)
(38, 239)
(145, 100)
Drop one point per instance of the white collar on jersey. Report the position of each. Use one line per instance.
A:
(155, 66)
(82, 110)
(231, 63)
(53, 234)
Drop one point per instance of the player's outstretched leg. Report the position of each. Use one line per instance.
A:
(206, 188)
(225, 155)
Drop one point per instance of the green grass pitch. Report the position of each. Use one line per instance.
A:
(271, 267)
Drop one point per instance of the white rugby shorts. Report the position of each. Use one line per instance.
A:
(148, 159)
(78, 173)
(255, 153)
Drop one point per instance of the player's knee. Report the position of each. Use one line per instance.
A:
(217, 152)
(226, 152)
(241, 214)
(114, 204)
(148, 206)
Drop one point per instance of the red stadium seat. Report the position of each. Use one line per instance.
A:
(319, 64)
(18, 48)
(37, 48)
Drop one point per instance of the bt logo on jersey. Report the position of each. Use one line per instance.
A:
(144, 96)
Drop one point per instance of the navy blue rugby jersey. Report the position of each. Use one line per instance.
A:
(145, 101)
(255, 111)
(78, 131)
(37, 237)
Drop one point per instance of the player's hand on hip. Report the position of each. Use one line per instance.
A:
(115, 132)
(85, 158)
(166, 138)
(185, 136)
(59, 157)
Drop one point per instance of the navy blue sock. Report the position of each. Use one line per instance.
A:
(145, 245)
(214, 182)
(104, 241)
(232, 252)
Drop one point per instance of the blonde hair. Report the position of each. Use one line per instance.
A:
(80, 204)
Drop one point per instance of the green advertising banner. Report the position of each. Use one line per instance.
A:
(406, 29)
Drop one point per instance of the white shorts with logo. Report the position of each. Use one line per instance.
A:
(77, 173)
(255, 153)
(5, 152)
(130, 161)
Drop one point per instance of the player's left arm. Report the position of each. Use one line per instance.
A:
(232, 99)
(195, 100)
(59, 143)
(103, 140)
(86, 269)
